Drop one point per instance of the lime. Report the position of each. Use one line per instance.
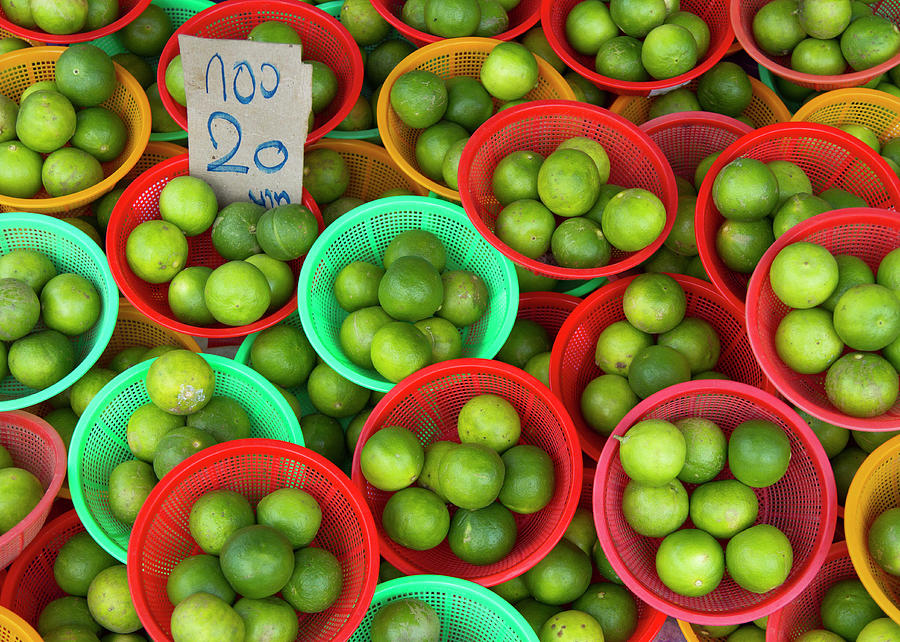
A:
(706, 449)
(434, 454)
(411, 289)
(655, 368)
(11, 43)
(696, 25)
(571, 626)
(465, 297)
(147, 34)
(180, 382)
(878, 630)
(790, 178)
(258, 561)
(326, 177)
(392, 458)
(593, 149)
(515, 177)
(823, 19)
(723, 508)
(602, 564)
(471, 476)
(293, 512)
(156, 251)
(216, 516)
(526, 226)
(605, 401)
(796, 209)
(468, 103)
(613, 607)
(354, 429)
(452, 18)
(509, 72)
(833, 438)
(46, 121)
(136, 66)
(847, 608)
(529, 482)
(405, 619)
(68, 611)
(357, 332)
(324, 86)
(561, 577)
(579, 243)
(620, 58)
(713, 631)
(675, 101)
(536, 613)
(655, 511)
(364, 23)
(581, 530)
(419, 98)
(669, 50)
(531, 282)
(20, 309)
(741, 244)
(383, 58)
(275, 31)
(443, 336)
(884, 540)
(85, 75)
(78, 562)
(652, 452)
(281, 280)
(483, 536)
(803, 275)
(356, 285)
(100, 132)
(539, 367)
(806, 341)
(526, 339)
(333, 395)
(820, 635)
(237, 293)
(690, 562)
(223, 418)
(588, 25)
(337, 208)
(867, 317)
(654, 303)
(819, 57)
(416, 518)
(189, 203)
(869, 41)
(109, 601)
(864, 134)
(776, 27)
(70, 170)
(568, 182)
(146, 427)
(513, 590)
(704, 166)
(185, 296)
(697, 340)
(41, 359)
(844, 466)
(745, 190)
(633, 219)
(758, 453)
(283, 355)
(747, 633)
(888, 273)
(203, 617)
(286, 232)
(399, 349)
(68, 16)
(270, 618)
(489, 420)
(20, 176)
(869, 441)
(682, 238)
(617, 346)
(840, 199)
(637, 18)
(18, 12)
(413, 14)
(325, 436)
(861, 384)
(417, 243)
(130, 483)
(87, 387)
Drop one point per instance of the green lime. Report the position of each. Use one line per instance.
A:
(180, 382)
(526, 226)
(216, 516)
(861, 384)
(109, 601)
(283, 355)
(723, 508)
(579, 243)
(468, 103)
(20, 309)
(337, 208)
(654, 303)
(669, 50)
(867, 317)
(334, 395)
(69, 16)
(747, 633)
(275, 31)
(806, 341)
(399, 349)
(822, 19)
(237, 293)
(204, 617)
(147, 34)
(581, 530)
(416, 518)
(602, 564)
(46, 121)
(695, 25)
(281, 280)
(392, 458)
(356, 285)
(796, 209)
(561, 577)
(536, 613)
(223, 418)
(450, 164)
(443, 336)
(189, 203)
(847, 608)
(637, 18)
(286, 232)
(483, 536)
(78, 562)
(839, 198)
(819, 57)
(70, 170)
(633, 219)
(465, 298)
(539, 367)
(790, 178)
(593, 149)
(411, 289)
(535, 40)
(864, 134)
(529, 482)
(293, 512)
(704, 166)
(682, 238)
(130, 483)
(570, 626)
(869, 441)
(270, 619)
(652, 452)
(820, 635)
(156, 251)
(745, 190)
(776, 27)
(433, 145)
(452, 18)
(418, 243)
(888, 273)
(137, 67)
(655, 511)
(258, 561)
(884, 540)
(185, 296)
(617, 346)
(489, 420)
(620, 58)
(100, 132)
(434, 454)
(471, 476)
(324, 86)
(87, 387)
(383, 58)
(588, 25)
(419, 98)
(690, 562)
(357, 332)
(513, 590)
(515, 177)
(68, 611)
(405, 619)
(354, 429)
(146, 427)
(509, 72)
(613, 607)
(869, 41)
(605, 402)
(758, 453)
(326, 177)
(741, 244)
(657, 367)
(526, 339)
(706, 449)
(697, 340)
(844, 466)
(324, 435)
(881, 629)
(41, 359)
(85, 75)
(20, 176)
(833, 438)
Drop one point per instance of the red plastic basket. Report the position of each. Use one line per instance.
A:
(139, 203)
(803, 504)
(254, 468)
(866, 233)
(548, 309)
(428, 403)
(572, 364)
(522, 18)
(29, 585)
(713, 12)
(38, 448)
(687, 138)
(650, 620)
(802, 613)
(742, 13)
(324, 39)
(541, 126)
(128, 11)
(830, 158)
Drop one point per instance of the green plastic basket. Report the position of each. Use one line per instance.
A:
(580, 288)
(70, 250)
(467, 611)
(179, 12)
(766, 77)
(362, 235)
(99, 444)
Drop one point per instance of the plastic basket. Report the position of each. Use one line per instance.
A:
(572, 364)
(802, 504)
(427, 403)
(765, 108)
(548, 309)
(580, 289)
(20, 69)
(38, 448)
(467, 611)
(828, 156)
(449, 59)
(766, 78)
(324, 39)
(15, 629)
(362, 235)
(372, 170)
(254, 468)
(128, 11)
(713, 12)
(802, 614)
(522, 18)
(139, 203)
(742, 13)
(31, 41)
(99, 443)
(30, 585)
(869, 234)
(70, 250)
(688, 138)
(874, 490)
(877, 110)
(540, 127)
(136, 329)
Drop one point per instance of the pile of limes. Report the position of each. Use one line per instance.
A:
(43, 310)
(258, 244)
(837, 303)
(488, 476)
(46, 143)
(724, 89)
(61, 16)
(257, 556)
(20, 491)
(458, 18)
(635, 364)
(636, 40)
(848, 612)
(408, 314)
(658, 456)
(822, 37)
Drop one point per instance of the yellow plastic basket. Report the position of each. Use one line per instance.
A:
(877, 110)
(448, 59)
(875, 488)
(765, 107)
(34, 43)
(372, 170)
(15, 629)
(22, 68)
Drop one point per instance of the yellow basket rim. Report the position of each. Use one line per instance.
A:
(71, 201)
(128, 312)
(12, 622)
(841, 96)
(687, 631)
(855, 531)
(366, 148)
(413, 60)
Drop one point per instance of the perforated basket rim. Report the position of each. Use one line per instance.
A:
(237, 448)
(777, 597)
(402, 586)
(713, 56)
(130, 313)
(112, 390)
(705, 211)
(43, 36)
(537, 108)
(308, 11)
(359, 215)
(813, 81)
(410, 384)
(845, 96)
(109, 309)
(706, 118)
(11, 623)
(778, 373)
(191, 5)
(369, 150)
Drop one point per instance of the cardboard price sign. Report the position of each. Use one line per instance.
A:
(247, 108)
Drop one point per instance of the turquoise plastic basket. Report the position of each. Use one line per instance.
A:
(70, 250)
(362, 235)
(99, 443)
(467, 611)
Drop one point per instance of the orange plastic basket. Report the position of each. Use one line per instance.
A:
(134, 328)
(765, 108)
(742, 13)
(448, 59)
(875, 489)
(372, 170)
(22, 68)
(15, 629)
(128, 11)
(5, 33)
(877, 110)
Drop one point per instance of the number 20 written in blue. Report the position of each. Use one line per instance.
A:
(222, 164)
